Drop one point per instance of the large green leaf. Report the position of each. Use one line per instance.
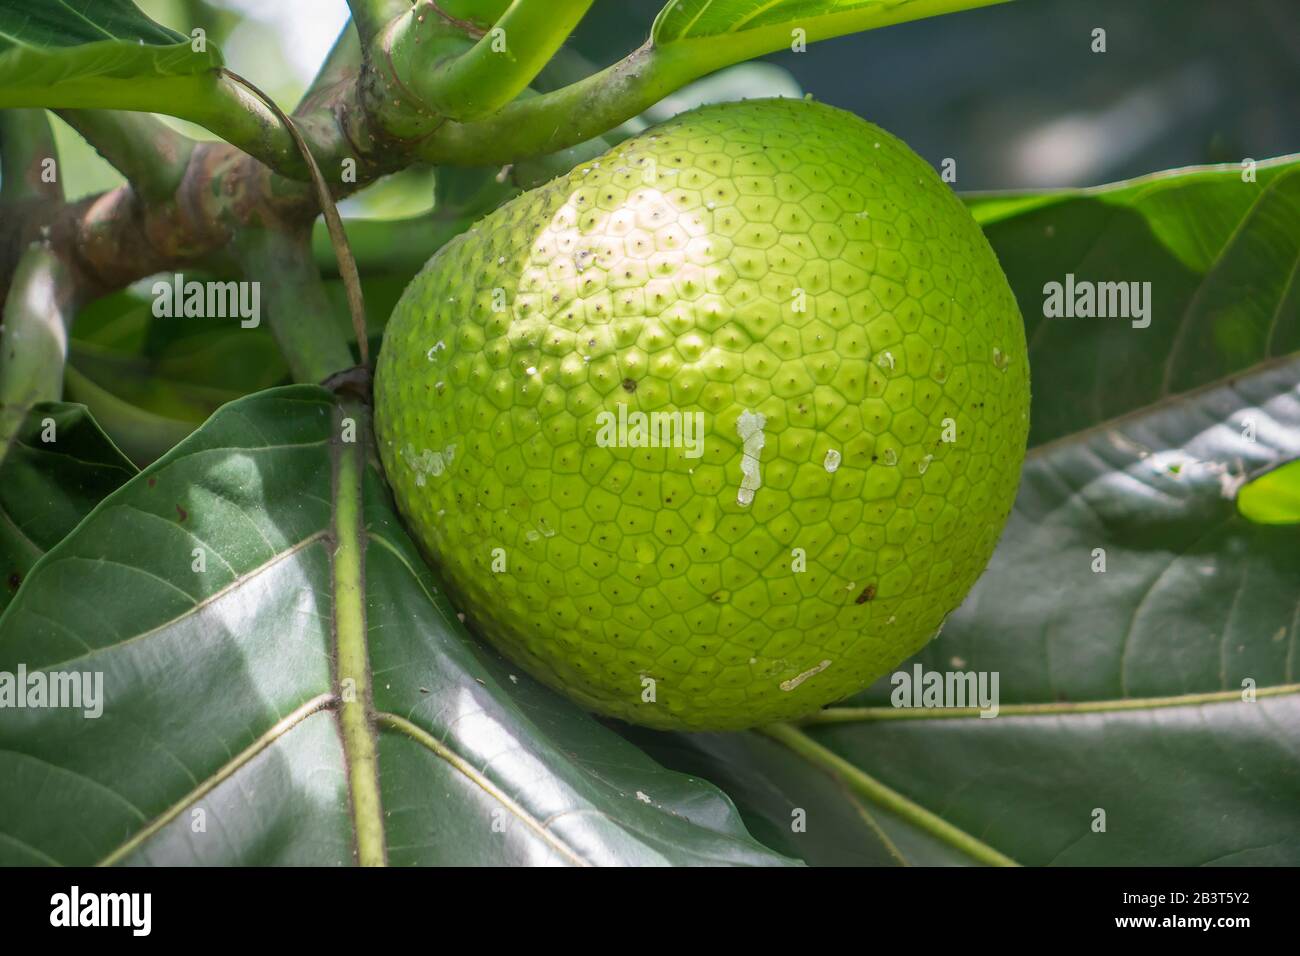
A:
(48, 486)
(1125, 691)
(1163, 690)
(74, 53)
(1220, 253)
(308, 696)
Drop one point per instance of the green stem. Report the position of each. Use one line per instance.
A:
(590, 107)
(875, 791)
(34, 338)
(503, 62)
(351, 655)
(26, 141)
(297, 308)
(151, 155)
(211, 99)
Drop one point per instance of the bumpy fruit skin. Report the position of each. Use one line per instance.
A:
(776, 258)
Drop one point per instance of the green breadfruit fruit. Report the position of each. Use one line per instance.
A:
(717, 429)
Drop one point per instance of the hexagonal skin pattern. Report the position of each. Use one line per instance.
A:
(840, 383)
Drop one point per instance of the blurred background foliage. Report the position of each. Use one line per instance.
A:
(1013, 93)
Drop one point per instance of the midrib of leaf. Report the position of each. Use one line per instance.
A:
(844, 715)
(428, 741)
(275, 732)
(876, 792)
(195, 609)
(351, 654)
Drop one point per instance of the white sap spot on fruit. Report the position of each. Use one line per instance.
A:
(1000, 360)
(435, 349)
(832, 462)
(793, 682)
(889, 457)
(642, 797)
(886, 360)
(427, 463)
(750, 428)
(924, 463)
(531, 370)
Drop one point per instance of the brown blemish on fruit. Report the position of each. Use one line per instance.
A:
(868, 594)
